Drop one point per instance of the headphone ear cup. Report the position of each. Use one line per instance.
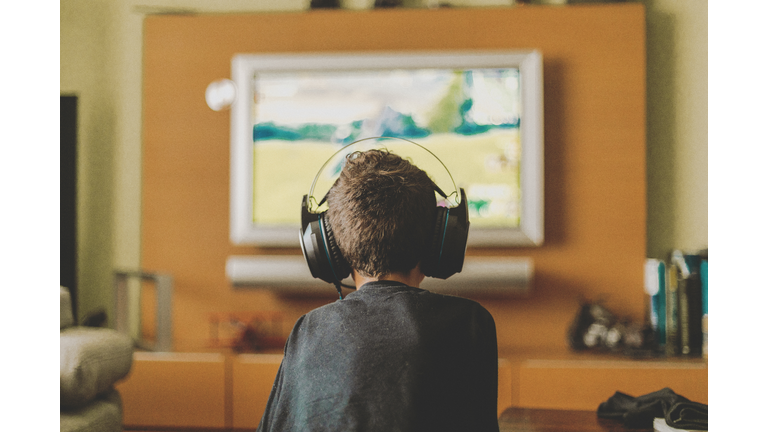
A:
(340, 266)
(430, 264)
(449, 241)
(319, 247)
(454, 245)
(313, 248)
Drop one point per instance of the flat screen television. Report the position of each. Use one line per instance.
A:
(479, 112)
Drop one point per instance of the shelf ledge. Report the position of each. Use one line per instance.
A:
(289, 275)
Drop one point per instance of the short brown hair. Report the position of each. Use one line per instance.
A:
(382, 210)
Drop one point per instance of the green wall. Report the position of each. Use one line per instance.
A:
(677, 125)
(101, 57)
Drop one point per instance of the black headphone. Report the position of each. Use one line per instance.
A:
(445, 255)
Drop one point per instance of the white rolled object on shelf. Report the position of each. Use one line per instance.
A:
(486, 276)
(289, 275)
(286, 273)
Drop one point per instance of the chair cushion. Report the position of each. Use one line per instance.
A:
(92, 359)
(104, 414)
(65, 316)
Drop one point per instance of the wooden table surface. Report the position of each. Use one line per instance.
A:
(545, 420)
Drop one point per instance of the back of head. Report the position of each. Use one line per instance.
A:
(382, 211)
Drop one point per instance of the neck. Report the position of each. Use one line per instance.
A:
(413, 278)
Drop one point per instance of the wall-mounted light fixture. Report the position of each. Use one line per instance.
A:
(220, 94)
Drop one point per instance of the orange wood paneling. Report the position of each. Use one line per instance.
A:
(504, 398)
(175, 390)
(191, 390)
(594, 115)
(583, 385)
(252, 378)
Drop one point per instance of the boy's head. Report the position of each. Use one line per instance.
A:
(382, 213)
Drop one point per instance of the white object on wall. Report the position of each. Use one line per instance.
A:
(220, 94)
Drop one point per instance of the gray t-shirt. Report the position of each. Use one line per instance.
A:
(388, 357)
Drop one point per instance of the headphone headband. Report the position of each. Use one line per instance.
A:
(407, 149)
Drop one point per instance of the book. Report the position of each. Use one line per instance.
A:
(689, 296)
(655, 287)
(672, 347)
(704, 272)
(660, 425)
(695, 300)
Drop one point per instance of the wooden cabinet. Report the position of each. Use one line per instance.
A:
(582, 384)
(252, 378)
(176, 390)
(222, 391)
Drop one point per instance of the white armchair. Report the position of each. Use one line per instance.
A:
(92, 360)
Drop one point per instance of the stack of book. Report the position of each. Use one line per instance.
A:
(678, 310)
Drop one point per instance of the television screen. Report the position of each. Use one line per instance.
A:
(474, 112)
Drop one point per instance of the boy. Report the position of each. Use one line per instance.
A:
(389, 356)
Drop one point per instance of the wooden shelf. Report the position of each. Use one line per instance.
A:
(216, 390)
(494, 276)
(176, 390)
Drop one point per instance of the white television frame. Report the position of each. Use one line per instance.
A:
(530, 232)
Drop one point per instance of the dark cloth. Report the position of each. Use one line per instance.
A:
(388, 357)
(639, 412)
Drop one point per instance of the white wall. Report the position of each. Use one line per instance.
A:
(101, 44)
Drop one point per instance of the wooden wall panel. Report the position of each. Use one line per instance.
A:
(583, 385)
(215, 391)
(175, 390)
(594, 114)
(504, 399)
(252, 379)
